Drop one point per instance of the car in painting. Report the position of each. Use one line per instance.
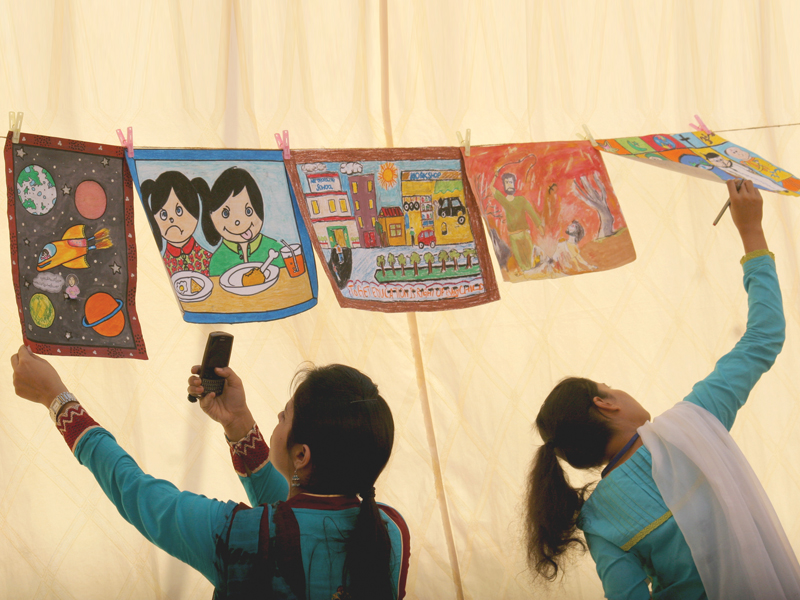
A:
(452, 207)
(426, 238)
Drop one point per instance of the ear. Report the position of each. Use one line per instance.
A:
(605, 404)
(301, 456)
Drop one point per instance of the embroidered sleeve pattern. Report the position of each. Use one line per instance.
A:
(73, 423)
(249, 454)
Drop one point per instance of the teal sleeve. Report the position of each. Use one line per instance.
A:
(621, 572)
(725, 390)
(183, 524)
(265, 486)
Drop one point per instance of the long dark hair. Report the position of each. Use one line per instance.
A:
(230, 183)
(156, 193)
(573, 429)
(348, 426)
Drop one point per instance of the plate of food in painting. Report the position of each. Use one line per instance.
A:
(191, 286)
(248, 279)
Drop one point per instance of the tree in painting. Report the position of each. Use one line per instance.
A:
(597, 198)
(429, 258)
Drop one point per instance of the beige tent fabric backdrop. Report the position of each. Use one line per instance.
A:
(231, 74)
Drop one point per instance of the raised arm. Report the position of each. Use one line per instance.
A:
(249, 449)
(183, 524)
(726, 389)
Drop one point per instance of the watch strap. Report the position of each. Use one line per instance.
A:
(58, 403)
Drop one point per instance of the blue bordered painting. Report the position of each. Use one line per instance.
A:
(229, 233)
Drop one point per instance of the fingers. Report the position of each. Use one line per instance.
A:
(196, 369)
(732, 186)
(205, 401)
(229, 374)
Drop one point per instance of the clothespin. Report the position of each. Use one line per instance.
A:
(14, 125)
(589, 135)
(700, 126)
(283, 143)
(464, 142)
(128, 143)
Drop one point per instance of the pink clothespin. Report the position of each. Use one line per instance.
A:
(464, 142)
(700, 126)
(128, 143)
(283, 143)
(14, 125)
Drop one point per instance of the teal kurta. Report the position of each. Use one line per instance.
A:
(629, 529)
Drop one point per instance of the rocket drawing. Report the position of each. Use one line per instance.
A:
(70, 251)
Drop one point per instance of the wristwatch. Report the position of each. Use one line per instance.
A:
(57, 404)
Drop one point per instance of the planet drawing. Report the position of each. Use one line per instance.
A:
(90, 199)
(42, 311)
(36, 190)
(103, 313)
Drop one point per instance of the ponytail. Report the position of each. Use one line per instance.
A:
(551, 511)
(341, 416)
(369, 554)
(573, 429)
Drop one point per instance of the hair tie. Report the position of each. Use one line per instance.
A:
(368, 494)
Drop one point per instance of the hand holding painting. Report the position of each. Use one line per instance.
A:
(728, 202)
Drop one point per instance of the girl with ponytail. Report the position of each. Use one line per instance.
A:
(678, 512)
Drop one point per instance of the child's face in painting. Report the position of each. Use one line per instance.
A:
(236, 220)
(175, 222)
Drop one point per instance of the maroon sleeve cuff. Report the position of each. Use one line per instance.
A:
(73, 423)
(250, 453)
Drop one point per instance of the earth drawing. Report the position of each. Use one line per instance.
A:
(36, 190)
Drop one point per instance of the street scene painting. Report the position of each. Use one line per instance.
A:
(549, 208)
(398, 230)
(705, 155)
(73, 247)
(229, 233)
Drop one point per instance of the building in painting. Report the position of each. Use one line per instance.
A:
(365, 208)
(331, 212)
(436, 208)
(392, 226)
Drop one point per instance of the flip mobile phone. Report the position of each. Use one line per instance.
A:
(217, 354)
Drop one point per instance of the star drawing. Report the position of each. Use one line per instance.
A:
(115, 268)
(21, 153)
(27, 283)
(66, 189)
(105, 161)
(27, 242)
(68, 335)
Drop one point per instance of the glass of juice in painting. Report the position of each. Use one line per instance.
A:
(292, 255)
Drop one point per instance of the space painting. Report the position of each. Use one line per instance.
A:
(73, 247)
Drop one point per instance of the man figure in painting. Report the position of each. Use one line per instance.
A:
(763, 167)
(516, 209)
(739, 171)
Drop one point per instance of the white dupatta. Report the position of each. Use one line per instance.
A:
(736, 540)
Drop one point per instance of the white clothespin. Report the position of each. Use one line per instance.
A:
(14, 125)
(464, 142)
(128, 143)
(283, 144)
(589, 136)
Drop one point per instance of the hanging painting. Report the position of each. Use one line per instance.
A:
(706, 155)
(229, 233)
(550, 209)
(397, 229)
(73, 250)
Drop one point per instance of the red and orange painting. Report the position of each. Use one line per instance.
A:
(550, 209)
